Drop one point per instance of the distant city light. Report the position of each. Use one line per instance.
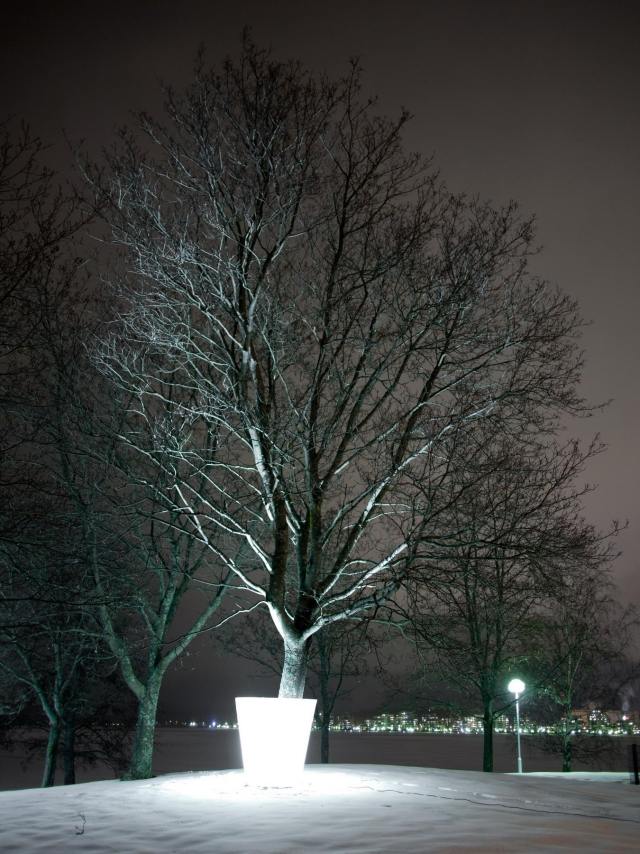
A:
(581, 721)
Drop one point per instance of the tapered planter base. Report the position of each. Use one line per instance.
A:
(274, 736)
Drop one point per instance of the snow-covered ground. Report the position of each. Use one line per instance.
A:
(336, 808)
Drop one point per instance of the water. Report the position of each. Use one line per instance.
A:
(192, 749)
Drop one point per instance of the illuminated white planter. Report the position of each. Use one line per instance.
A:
(274, 735)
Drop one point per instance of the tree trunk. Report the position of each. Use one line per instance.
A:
(140, 767)
(294, 669)
(487, 741)
(69, 750)
(567, 752)
(51, 755)
(325, 698)
(324, 739)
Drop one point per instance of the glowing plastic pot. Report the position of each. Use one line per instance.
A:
(274, 735)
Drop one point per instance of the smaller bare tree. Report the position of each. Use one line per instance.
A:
(585, 658)
(514, 537)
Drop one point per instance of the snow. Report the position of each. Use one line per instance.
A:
(336, 808)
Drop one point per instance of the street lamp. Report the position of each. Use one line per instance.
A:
(517, 686)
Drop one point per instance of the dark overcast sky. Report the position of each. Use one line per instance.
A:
(537, 101)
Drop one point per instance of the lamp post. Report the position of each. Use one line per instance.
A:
(517, 686)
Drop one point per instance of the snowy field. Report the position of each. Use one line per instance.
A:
(373, 800)
(338, 808)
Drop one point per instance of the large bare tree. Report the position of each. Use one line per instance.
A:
(305, 316)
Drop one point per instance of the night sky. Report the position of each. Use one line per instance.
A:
(534, 101)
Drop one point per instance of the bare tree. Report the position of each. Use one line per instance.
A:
(514, 540)
(342, 654)
(133, 568)
(63, 469)
(585, 658)
(304, 292)
(53, 660)
(142, 568)
(143, 614)
(49, 645)
(37, 223)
